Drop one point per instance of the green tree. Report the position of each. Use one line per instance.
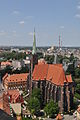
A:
(36, 93)
(8, 70)
(51, 109)
(71, 70)
(34, 105)
(49, 59)
(40, 55)
(60, 59)
(77, 72)
(71, 57)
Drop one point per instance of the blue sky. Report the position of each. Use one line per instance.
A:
(50, 18)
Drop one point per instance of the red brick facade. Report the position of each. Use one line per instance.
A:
(54, 85)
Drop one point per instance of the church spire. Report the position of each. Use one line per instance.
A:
(34, 44)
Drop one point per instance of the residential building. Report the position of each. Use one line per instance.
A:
(15, 81)
(17, 64)
(10, 109)
(5, 64)
(15, 96)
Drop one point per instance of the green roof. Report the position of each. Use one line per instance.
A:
(34, 44)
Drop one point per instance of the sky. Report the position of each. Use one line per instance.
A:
(50, 18)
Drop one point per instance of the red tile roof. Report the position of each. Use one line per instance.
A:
(51, 72)
(16, 77)
(4, 103)
(6, 63)
(40, 72)
(14, 94)
(56, 74)
(5, 76)
(68, 78)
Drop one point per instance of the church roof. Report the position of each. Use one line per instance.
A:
(69, 78)
(51, 72)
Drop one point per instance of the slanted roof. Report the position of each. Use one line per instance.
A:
(14, 94)
(69, 78)
(16, 77)
(16, 108)
(4, 103)
(40, 72)
(6, 63)
(56, 74)
(51, 72)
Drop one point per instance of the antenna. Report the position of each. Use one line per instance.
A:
(59, 41)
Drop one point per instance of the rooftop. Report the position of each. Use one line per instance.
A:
(51, 72)
(16, 77)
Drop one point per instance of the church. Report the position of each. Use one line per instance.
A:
(52, 81)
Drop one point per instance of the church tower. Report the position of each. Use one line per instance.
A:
(34, 57)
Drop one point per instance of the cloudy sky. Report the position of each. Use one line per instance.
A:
(50, 18)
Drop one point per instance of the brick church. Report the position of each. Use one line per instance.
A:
(52, 81)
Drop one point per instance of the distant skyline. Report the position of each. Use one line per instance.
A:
(50, 18)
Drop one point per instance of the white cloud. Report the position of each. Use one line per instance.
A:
(21, 22)
(3, 33)
(77, 15)
(78, 7)
(62, 27)
(16, 12)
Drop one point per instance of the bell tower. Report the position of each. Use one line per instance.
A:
(34, 57)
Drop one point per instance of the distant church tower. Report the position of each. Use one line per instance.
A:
(33, 62)
(34, 57)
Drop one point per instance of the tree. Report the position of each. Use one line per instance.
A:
(71, 57)
(35, 101)
(49, 59)
(77, 72)
(71, 70)
(51, 109)
(60, 59)
(34, 105)
(40, 55)
(36, 93)
(8, 70)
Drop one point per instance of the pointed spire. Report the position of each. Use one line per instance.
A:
(34, 44)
